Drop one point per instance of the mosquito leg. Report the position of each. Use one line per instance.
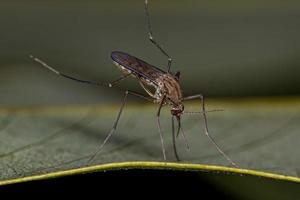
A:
(76, 79)
(159, 127)
(174, 141)
(113, 130)
(115, 82)
(151, 37)
(183, 134)
(201, 97)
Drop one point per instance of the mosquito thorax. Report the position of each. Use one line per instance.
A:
(167, 85)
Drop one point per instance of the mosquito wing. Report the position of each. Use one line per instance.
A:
(138, 68)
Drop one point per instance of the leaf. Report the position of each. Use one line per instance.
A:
(43, 142)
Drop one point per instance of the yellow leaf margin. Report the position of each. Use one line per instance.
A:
(151, 165)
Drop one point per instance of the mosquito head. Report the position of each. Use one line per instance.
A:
(177, 110)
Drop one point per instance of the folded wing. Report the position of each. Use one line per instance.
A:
(137, 67)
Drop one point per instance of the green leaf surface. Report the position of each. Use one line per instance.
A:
(261, 136)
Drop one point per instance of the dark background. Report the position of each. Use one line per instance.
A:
(223, 48)
(160, 183)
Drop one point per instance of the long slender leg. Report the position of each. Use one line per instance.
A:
(113, 130)
(159, 128)
(76, 79)
(174, 140)
(183, 134)
(201, 97)
(151, 37)
(115, 82)
(200, 112)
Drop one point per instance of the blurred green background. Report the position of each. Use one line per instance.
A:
(222, 48)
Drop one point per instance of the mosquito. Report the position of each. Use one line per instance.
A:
(162, 87)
